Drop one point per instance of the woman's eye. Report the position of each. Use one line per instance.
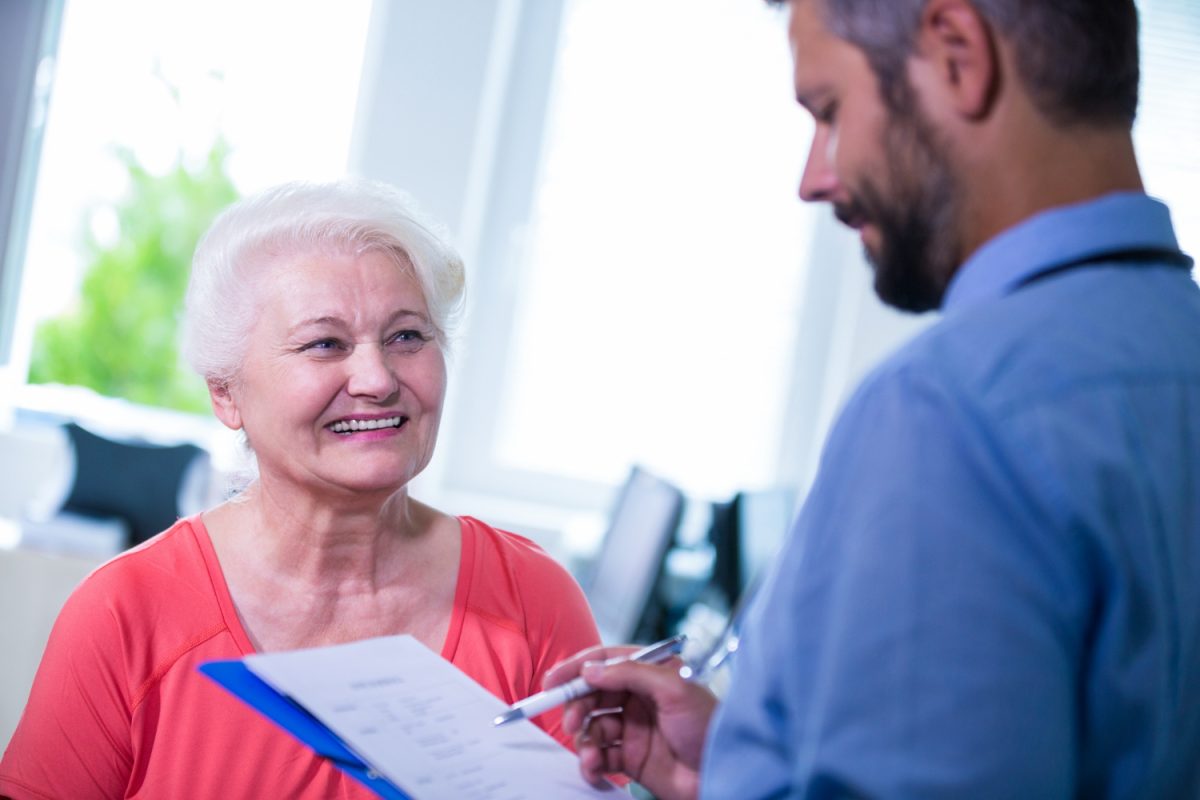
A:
(408, 339)
(826, 114)
(322, 345)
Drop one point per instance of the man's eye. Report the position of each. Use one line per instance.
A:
(826, 114)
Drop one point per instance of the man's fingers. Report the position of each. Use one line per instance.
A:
(599, 760)
(567, 670)
(593, 764)
(576, 712)
(602, 725)
(658, 681)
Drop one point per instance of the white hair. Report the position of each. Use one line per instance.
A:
(350, 215)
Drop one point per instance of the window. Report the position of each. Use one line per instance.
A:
(165, 83)
(1168, 126)
(660, 268)
(658, 306)
(662, 276)
(28, 39)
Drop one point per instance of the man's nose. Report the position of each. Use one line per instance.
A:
(819, 181)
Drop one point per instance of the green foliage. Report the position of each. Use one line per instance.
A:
(123, 338)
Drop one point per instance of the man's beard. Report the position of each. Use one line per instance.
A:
(918, 225)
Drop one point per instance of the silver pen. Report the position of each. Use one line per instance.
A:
(564, 693)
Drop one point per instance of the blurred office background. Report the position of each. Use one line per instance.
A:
(658, 332)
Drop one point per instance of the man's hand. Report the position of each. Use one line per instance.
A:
(645, 721)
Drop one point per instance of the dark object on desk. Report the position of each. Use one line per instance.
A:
(137, 482)
(624, 582)
(725, 536)
(745, 534)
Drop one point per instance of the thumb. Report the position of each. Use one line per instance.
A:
(657, 682)
(564, 671)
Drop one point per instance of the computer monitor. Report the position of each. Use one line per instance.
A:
(746, 533)
(725, 537)
(622, 583)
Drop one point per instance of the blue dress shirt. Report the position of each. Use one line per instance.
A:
(993, 588)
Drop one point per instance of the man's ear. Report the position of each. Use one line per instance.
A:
(224, 405)
(959, 46)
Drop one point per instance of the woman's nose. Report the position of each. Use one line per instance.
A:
(371, 375)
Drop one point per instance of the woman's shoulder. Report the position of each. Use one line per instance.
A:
(161, 558)
(518, 553)
(141, 591)
(509, 571)
(516, 585)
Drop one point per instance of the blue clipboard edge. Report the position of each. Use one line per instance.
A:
(236, 677)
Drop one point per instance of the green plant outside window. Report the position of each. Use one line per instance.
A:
(122, 340)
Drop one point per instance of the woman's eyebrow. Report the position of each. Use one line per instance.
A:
(329, 319)
(324, 320)
(404, 312)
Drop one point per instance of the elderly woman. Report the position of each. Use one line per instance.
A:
(319, 315)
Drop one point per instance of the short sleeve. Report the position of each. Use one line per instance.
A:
(523, 613)
(559, 625)
(73, 739)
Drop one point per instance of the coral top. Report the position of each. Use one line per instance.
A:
(118, 709)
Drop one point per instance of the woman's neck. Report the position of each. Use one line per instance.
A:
(321, 541)
(303, 574)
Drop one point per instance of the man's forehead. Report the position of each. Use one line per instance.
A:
(813, 46)
(806, 25)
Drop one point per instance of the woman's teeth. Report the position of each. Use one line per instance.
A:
(350, 425)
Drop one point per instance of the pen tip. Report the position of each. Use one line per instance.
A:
(506, 717)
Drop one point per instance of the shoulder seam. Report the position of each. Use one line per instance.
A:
(142, 690)
(501, 622)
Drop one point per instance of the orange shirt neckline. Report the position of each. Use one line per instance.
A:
(462, 589)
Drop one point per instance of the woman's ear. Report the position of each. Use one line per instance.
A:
(960, 47)
(223, 403)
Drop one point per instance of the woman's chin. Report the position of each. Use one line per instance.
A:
(366, 483)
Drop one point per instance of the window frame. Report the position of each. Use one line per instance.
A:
(29, 33)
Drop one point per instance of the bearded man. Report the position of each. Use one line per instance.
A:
(993, 588)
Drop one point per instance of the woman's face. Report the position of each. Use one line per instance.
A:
(343, 381)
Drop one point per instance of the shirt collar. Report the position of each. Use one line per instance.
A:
(1118, 221)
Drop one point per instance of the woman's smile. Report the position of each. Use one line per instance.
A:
(353, 425)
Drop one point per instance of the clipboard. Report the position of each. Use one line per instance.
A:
(237, 678)
(403, 722)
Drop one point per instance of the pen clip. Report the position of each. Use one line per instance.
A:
(659, 650)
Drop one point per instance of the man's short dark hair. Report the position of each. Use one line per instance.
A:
(1077, 58)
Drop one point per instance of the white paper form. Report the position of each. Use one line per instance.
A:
(423, 724)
